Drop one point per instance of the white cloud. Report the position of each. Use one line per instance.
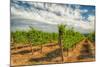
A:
(54, 14)
(91, 18)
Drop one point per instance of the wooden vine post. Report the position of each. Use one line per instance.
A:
(61, 32)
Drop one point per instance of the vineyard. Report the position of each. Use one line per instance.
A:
(61, 45)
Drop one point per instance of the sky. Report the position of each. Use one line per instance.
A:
(46, 16)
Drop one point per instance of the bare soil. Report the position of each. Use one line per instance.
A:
(84, 51)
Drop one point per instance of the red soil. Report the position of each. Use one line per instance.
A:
(51, 54)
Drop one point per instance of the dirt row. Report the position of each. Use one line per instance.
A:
(84, 51)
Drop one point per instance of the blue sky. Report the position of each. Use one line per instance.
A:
(46, 16)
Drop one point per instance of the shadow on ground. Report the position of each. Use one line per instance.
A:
(25, 51)
(86, 52)
(48, 57)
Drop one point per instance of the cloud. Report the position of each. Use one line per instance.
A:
(53, 14)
